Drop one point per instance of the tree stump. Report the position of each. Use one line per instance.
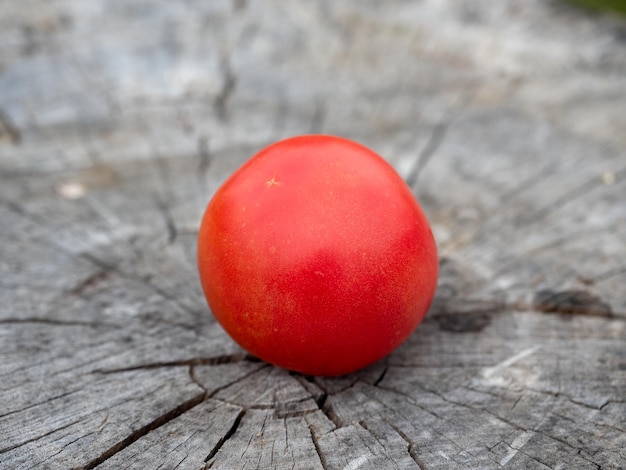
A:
(118, 120)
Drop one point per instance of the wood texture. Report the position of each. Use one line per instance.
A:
(118, 120)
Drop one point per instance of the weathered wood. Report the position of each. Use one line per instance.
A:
(118, 120)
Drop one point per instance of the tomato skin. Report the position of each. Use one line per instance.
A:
(315, 256)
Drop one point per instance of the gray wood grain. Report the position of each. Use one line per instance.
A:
(118, 121)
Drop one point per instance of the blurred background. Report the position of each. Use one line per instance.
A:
(134, 112)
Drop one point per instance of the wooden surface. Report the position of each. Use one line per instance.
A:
(118, 120)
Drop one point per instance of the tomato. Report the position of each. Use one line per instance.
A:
(315, 256)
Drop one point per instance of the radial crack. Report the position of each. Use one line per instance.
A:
(406, 439)
(15, 446)
(434, 141)
(133, 277)
(195, 361)
(568, 197)
(381, 376)
(225, 438)
(139, 433)
(95, 278)
(327, 409)
(204, 156)
(170, 225)
(320, 454)
(228, 86)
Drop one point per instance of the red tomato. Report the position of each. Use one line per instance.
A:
(314, 256)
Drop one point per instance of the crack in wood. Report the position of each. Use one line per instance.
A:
(229, 83)
(573, 302)
(170, 224)
(434, 141)
(536, 429)
(308, 383)
(456, 444)
(512, 137)
(580, 454)
(318, 449)
(321, 400)
(90, 281)
(569, 197)
(381, 376)
(567, 302)
(325, 407)
(616, 272)
(162, 198)
(34, 405)
(69, 443)
(534, 459)
(104, 266)
(204, 156)
(142, 280)
(204, 163)
(412, 446)
(464, 405)
(412, 401)
(567, 397)
(184, 407)
(195, 361)
(139, 433)
(542, 174)
(34, 439)
(362, 459)
(436, 138)
(224, 439)
(506, 266)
